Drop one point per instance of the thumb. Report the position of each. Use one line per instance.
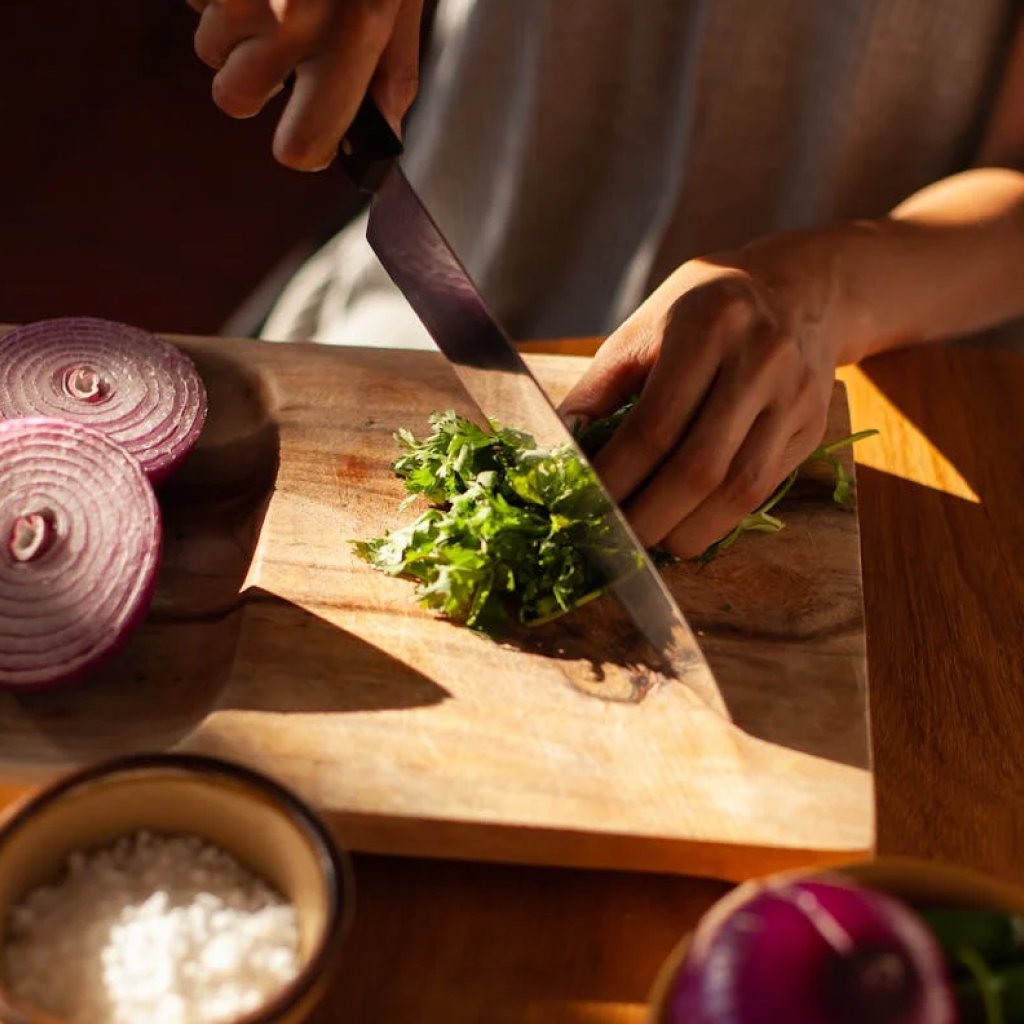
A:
(616, 373)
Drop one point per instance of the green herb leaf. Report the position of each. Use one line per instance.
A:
(515, 528)
(761, 520)
(508, 521)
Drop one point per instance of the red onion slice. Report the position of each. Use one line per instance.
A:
(79, 550)
(136, 388)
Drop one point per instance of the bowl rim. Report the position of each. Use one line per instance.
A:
(334, 864)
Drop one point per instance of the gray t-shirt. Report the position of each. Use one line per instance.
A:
(576, 151)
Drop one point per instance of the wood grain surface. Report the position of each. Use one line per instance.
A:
(943, 539)
(439, 942)
(415, 736)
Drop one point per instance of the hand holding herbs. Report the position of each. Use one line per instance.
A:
(733, 357)
(511, 529)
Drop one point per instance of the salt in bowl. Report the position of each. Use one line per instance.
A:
(268, 831)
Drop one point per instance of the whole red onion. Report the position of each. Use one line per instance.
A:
(136, 388)
(812, 952)
(79, 550)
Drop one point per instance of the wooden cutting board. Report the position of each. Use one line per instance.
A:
(270, 643)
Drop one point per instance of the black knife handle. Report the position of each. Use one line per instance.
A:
(369, 148)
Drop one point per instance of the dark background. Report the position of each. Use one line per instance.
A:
(124, 192)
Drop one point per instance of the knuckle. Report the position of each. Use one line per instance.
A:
(748, 487)
(293, 10)
(300, 22)
(730, 307)
(301, 153)
(211, 58)
(806, 436)
(737, 309)
(707, 472)
(811, 398)
(738, 300)
(210, 50)
(806, 383)
(777, 352)
(677, 317)
(725, 301)
(654, 433)
(233, 101)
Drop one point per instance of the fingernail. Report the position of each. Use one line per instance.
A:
(575, 421)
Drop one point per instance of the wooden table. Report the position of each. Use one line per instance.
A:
(942, 534)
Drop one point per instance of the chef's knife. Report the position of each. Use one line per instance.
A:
(421, 263)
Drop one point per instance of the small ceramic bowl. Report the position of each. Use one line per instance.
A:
(917, 882)
(264, 826)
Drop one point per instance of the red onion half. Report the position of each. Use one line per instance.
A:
(79, 550)
(136, 388)
(813, 952)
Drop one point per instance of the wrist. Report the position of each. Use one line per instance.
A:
(817, 277)
(857, 320)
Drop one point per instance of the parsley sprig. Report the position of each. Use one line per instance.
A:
(507, 521)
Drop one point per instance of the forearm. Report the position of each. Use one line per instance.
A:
(947, 262)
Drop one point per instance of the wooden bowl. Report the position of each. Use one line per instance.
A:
(917, 882)
(266, 828)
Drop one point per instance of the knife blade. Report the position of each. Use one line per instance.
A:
(422, 264)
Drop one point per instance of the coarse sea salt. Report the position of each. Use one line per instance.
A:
(155, 929)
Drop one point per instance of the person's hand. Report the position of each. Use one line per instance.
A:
(733, 359)
(338, 49)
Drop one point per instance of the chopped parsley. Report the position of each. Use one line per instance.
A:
(512, 529)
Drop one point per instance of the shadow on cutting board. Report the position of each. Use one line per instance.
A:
(291, 661)
(171, 676)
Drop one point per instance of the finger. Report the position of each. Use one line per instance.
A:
(221, 29)
(770, 452)
(700, 464)
(198, 5)
(329, 88)
(615, 375)
(677, 384)
(396, 80)
(253, 74)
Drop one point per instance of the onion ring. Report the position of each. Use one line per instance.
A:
(80, 540)
(136, 388)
